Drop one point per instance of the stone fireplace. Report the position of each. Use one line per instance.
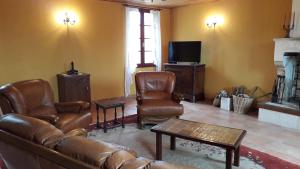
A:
(287, 61)
(284, 108)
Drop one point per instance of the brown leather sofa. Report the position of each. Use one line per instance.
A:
(30, 143)
(155, 97)
(35, 98)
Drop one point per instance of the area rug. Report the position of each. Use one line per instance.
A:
(187, 152)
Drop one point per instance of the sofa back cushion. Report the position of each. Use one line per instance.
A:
(92, 152)
(31, 129)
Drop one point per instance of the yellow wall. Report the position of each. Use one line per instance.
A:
(34, 45)
(239, 52)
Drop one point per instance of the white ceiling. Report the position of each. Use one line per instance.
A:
(161, 3)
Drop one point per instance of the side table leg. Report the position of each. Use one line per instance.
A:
(97, 123)
(158, 146)
(105, 123)
(228, 158)
(123, 126)
(115, 121)
(237, 157)
(173, 143)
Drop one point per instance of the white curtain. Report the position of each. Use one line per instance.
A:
(132, 45)
(157, 39)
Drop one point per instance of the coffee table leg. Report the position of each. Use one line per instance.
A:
(123, 126)
(158, 146)
(228, 158)
(173, 143)
(105, 123)
(237, 157)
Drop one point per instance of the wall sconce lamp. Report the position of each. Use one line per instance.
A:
(67, 18)
(212, 21)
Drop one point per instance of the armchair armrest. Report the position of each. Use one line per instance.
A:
(51, 118)
(177, 97)
(78, 106)
(139, 100)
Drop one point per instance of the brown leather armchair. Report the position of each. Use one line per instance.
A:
(155, 97)
(30, 143)
(35, 98)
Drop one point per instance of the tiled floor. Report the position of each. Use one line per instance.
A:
(272, 139)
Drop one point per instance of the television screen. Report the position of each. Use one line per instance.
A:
(184, 51)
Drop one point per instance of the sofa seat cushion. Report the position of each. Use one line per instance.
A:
(160, 108)
(70, 121)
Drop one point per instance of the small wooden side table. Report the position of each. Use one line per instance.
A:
(108, 104)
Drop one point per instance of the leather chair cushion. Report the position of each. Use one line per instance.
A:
(69, 121)
(160, 108)
(44, 110)
(157, 95)
(35, 93)
(47, 113)
(154, 81)
(92, 152)
(31, 129)
(15, 98)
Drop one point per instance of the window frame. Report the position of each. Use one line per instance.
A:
(142, 40)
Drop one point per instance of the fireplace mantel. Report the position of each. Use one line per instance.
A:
(283, 45)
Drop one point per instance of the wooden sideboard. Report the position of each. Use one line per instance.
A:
(189, 80)
(74, 87)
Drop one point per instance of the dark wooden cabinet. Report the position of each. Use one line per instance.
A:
(189, 80)
(74, 87)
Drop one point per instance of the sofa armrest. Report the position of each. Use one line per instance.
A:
(139, 100)
(177, 97)
(76, 132)
(51, 118)
(66, 107)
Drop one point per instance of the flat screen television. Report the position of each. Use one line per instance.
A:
(185, 51)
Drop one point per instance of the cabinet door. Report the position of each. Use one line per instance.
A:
(81, 89)
(184, 79)
(74, 88)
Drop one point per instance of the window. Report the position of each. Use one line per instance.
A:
(143, 42)
(145, 45)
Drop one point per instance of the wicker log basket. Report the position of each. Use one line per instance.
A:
(242, 103)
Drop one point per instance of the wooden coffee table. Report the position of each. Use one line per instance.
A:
(224, 137)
